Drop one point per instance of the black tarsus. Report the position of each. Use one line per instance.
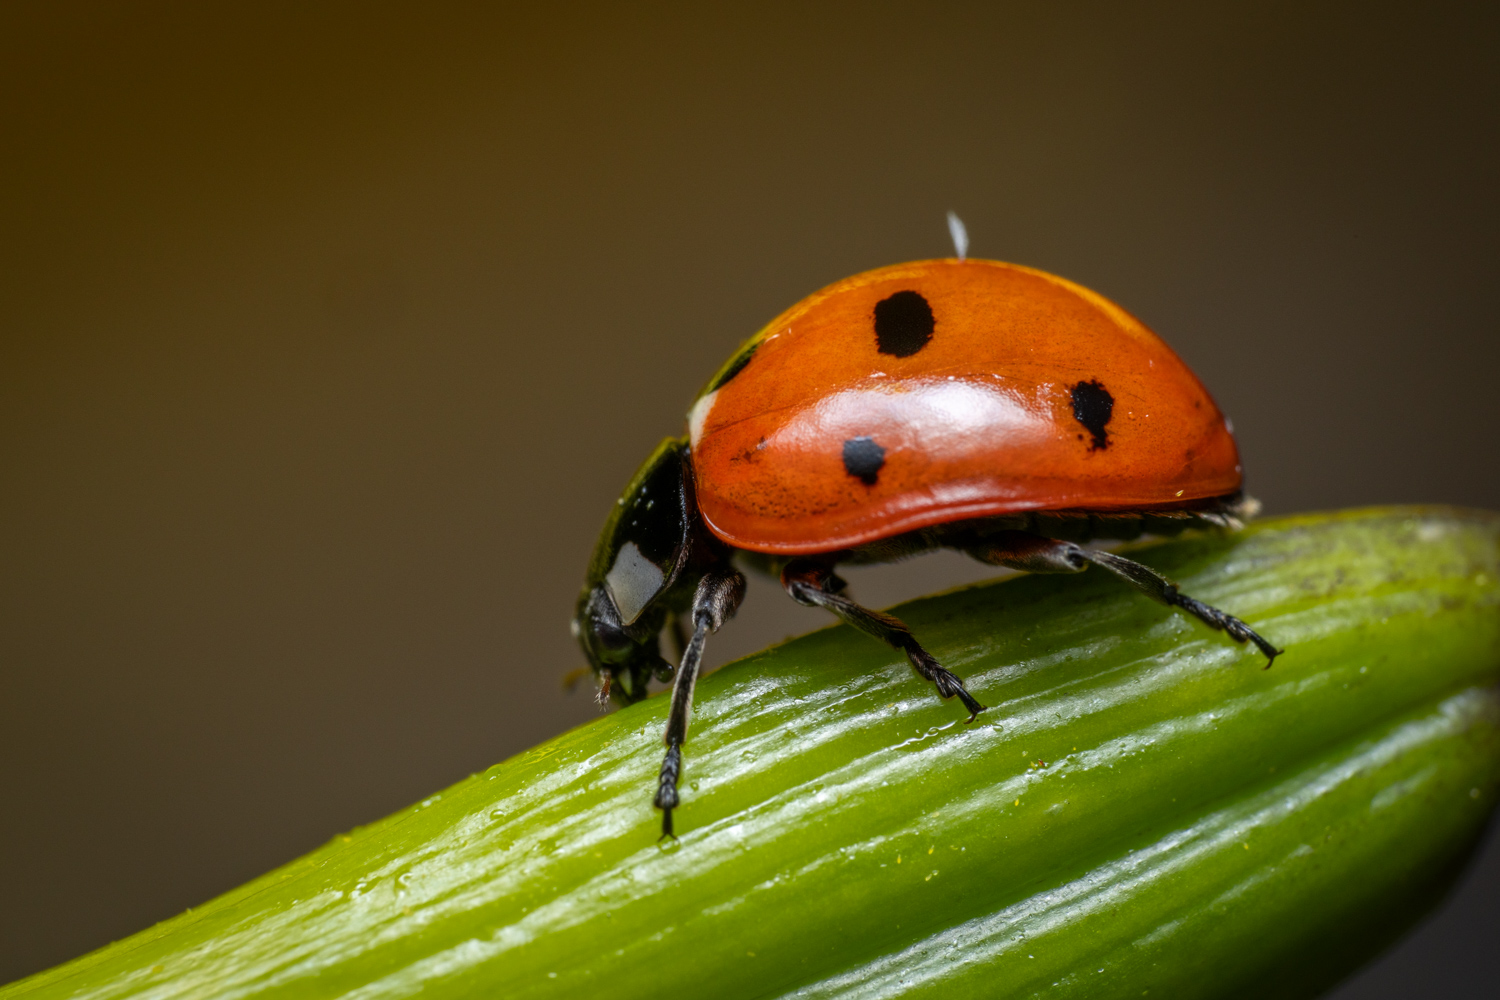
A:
(1035, 554)
(1158, 587)
(714, 602)
(666, 792)
(813, 584)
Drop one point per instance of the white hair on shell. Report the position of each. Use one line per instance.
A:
(960, 235)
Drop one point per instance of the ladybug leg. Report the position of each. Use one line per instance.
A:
(1158, 587)
(716, 600)
(1035, 554)
(813, 584)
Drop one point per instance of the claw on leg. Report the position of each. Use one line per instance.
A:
(947, 682)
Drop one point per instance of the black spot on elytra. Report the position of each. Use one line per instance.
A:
(736, 365)
(863, 459)
(1092, 407)
(903, 324)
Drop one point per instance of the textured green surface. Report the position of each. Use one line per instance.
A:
(1144, 807)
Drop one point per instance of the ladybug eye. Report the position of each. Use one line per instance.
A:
(903, 324)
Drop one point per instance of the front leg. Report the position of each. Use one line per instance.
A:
(714, 602)
(814, 584)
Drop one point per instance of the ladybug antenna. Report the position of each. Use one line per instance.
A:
(960, 235)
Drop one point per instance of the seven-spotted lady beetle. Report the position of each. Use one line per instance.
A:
(968, 404)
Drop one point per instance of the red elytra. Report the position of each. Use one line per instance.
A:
(979, 418)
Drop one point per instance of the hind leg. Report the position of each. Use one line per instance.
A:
(1035, 554)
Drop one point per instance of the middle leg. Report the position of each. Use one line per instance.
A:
(813, 584)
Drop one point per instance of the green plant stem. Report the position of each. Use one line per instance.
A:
(1142, 809)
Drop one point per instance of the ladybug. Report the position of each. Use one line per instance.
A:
(968, 404)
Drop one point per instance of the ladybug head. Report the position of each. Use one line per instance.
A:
(636, 576)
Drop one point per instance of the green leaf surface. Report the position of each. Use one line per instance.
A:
(1142, 809)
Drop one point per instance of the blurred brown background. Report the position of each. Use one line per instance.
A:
(328, 336)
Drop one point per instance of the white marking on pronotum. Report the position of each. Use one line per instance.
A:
(698, 414)
(632, 581)
(960, 235)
